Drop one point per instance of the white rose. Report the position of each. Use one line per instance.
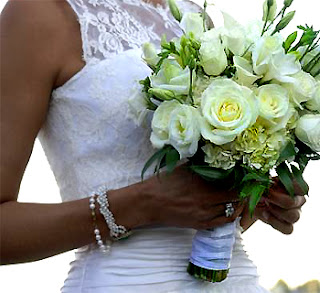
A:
(184, 130)
(244, 71)
(262, 51)
(172, 77)
(192, 23)
(150, 54)
(160, 123)
(302, 87)
(308, 131)
(228, 109)
(273, 104)
(213, 57)
(314, 103)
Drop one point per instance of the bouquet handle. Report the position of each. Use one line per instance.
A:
(212, 251)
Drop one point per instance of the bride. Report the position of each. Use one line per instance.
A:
(68, 70)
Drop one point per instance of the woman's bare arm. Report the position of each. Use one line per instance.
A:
(32, 53)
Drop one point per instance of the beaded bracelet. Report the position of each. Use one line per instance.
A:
(104, 248)
(117, 232)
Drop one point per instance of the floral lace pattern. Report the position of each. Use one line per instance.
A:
(112, 26)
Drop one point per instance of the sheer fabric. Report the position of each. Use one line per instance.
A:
(90, 139)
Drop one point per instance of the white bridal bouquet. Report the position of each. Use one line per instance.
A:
(236, 101)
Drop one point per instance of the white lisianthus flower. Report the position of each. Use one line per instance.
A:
(172, 77)
(184, 130)
(273, 104)
(244, 71)
(150, 54)
(253, 31)
(218, 157)
(228, 109)
(138, 106)
(192, 23)
(281, 67)
(302, 87)
(160, 123)
(314, 103)
(308, 131)
(213, 57)
(263, 50)
(233, 35)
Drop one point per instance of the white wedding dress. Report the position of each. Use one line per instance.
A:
(90, 139)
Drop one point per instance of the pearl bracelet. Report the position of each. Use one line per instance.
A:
(104, 248)
(117, 232)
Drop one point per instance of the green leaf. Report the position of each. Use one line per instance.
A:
(256, 193)
(156, 156)
(285, 177)
(288, 152)
(256, 177)
(289, 41)
(210, 173)
(172, 158)
(299, 179)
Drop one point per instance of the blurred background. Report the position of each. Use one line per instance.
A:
(285, 263)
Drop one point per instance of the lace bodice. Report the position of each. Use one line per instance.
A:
(88, 136)
(109, 27)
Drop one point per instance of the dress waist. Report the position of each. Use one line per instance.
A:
(151, 260)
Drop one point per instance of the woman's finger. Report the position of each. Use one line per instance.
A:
(284, 201)
(270, 219)
(290, 216)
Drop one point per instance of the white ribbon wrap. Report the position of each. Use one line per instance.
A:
(212, 249)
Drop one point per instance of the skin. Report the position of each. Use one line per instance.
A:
(40, 50)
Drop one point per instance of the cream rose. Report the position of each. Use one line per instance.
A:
(213, 57)
(273, 104)
(228, 109)
(172, 77)
(308, 131)
(184, 130)
(160, 123)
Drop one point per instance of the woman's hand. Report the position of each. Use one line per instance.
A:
(278, 209)
(183, 199)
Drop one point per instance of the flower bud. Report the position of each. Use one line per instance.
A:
(175, 10)
(164, 95)
(284, 22)
(269, 10)
(150, 54)
(287, 3)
